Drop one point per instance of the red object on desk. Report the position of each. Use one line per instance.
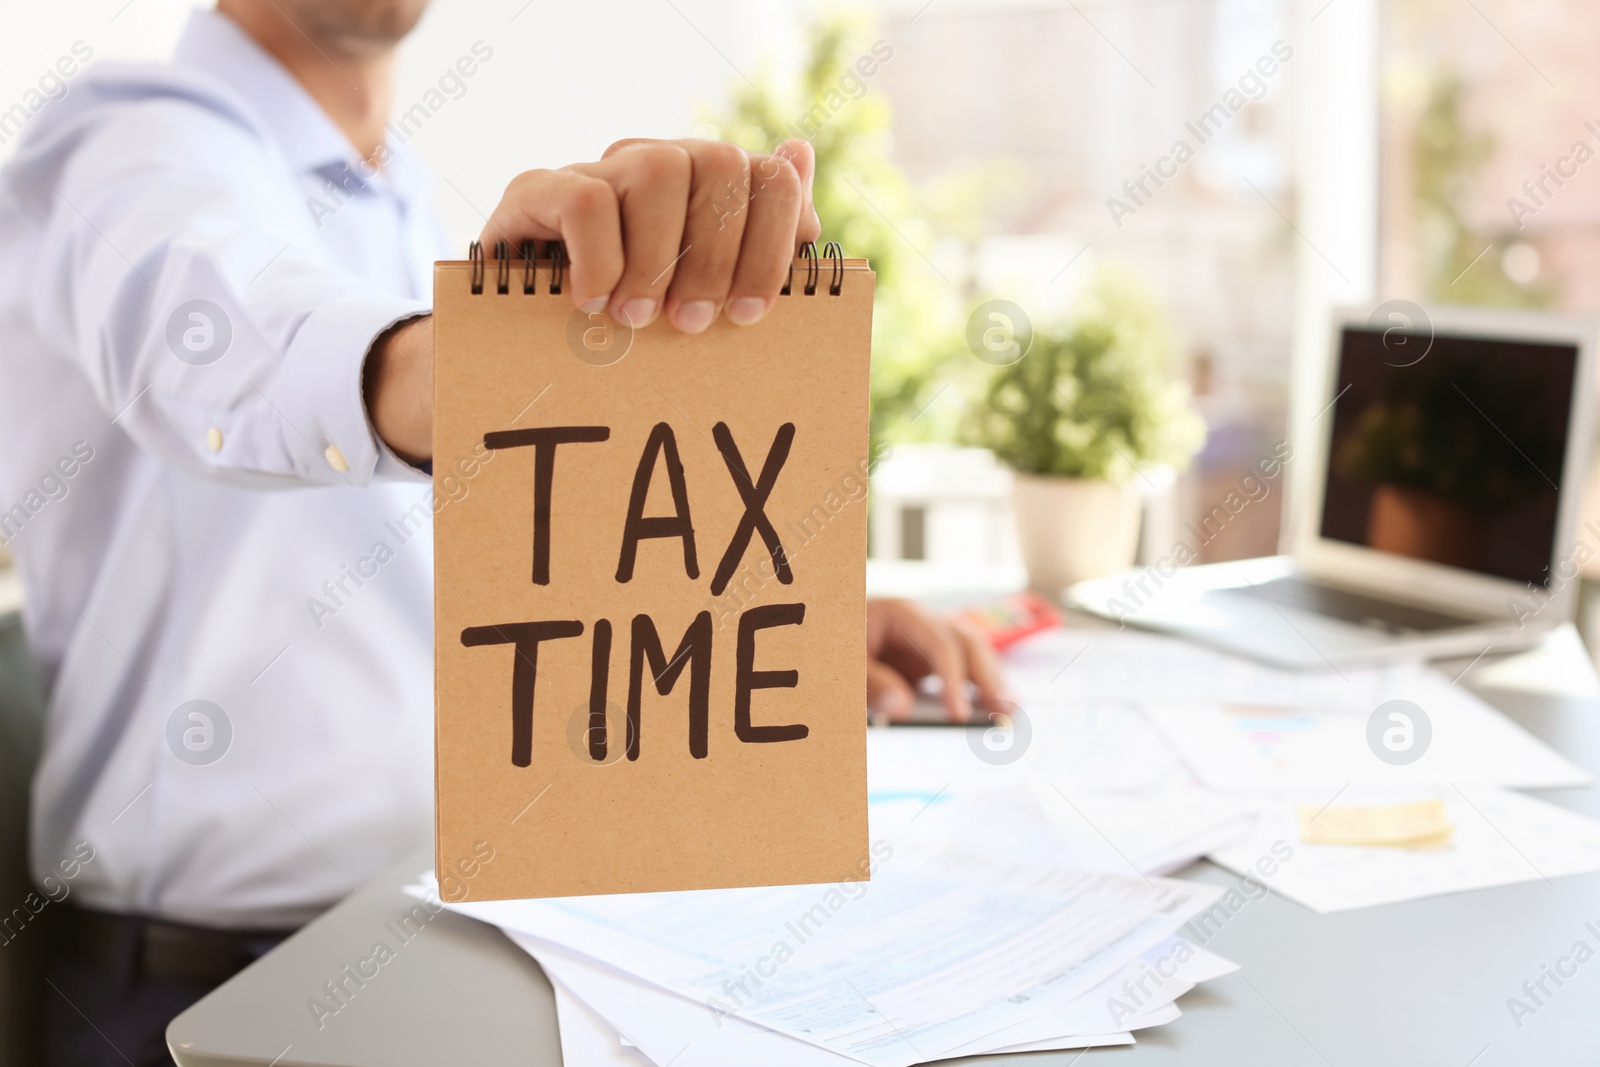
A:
(1008, 620)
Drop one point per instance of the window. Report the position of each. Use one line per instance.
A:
(1154, 139)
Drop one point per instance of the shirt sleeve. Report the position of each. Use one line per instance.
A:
(180, 270)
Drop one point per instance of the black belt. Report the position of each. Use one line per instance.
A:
(161, 950)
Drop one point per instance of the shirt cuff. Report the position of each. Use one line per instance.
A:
(332, 437)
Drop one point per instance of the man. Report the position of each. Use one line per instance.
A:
(214, 397)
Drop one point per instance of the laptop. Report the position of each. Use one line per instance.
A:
(1436, 508)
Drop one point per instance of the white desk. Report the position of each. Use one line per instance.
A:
(1406, 984)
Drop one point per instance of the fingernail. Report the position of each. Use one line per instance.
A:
(746, 310)
(591, 306)
(695, 315)
(637, 312)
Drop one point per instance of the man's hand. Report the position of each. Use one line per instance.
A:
(694, 229)
(906, 644)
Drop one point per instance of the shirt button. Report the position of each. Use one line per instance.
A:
(214, 439)
(336, 458)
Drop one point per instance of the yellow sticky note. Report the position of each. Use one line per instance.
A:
(1421, 824)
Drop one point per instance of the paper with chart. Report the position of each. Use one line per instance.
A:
(1099, 745)
(947, 947)
(1143, 667)
(1154, 833)
(1252, 747)
(1239, 724)
(1112, 832)
(926, 784)
(1500, 838)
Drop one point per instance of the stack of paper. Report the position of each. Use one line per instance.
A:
(598, 1008)
(942, 953)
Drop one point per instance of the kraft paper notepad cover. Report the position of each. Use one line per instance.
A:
(649, 601)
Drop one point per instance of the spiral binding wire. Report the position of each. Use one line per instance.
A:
(833, 251)
(558, 267)
(475, 253)
(808, 252)
(502, 268)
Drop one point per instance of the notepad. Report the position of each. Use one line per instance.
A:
(649, 599)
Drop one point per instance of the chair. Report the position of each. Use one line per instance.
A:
(22, 957)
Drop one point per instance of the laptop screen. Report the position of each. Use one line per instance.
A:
(1451, 452)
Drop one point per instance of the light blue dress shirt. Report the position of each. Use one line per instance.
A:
(227, 577)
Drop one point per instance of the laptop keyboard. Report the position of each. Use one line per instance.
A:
(1371, 612)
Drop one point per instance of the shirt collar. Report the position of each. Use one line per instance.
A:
(306, 136)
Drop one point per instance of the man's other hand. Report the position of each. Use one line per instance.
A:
(905, 644)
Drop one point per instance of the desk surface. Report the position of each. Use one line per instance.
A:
(1420, 982)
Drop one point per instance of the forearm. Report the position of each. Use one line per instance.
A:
(398, 384)
(195, 300)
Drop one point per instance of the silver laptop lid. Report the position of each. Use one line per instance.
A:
(1452, 458)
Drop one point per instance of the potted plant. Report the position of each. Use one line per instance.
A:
(1079, 417)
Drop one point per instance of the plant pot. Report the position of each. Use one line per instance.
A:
(1074, 529)
(1416, 523)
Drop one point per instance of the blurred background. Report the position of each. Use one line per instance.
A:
(1338, 151)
